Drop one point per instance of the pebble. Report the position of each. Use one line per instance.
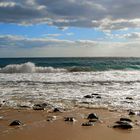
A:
(92, 116)
(56, 110)
(69, 119)
(123, 126)
(15, 123)
(87, 124)
(88, 96)
(125, 119)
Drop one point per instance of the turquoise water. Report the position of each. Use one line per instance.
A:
(78, 64)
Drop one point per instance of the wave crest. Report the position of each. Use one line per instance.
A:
(29, 67)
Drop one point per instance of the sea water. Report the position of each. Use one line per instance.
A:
(63, 82)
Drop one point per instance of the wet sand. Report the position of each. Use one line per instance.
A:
(36, 127)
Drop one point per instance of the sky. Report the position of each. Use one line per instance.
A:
(69, 28)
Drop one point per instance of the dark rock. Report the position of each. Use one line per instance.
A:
(15, 122)
(41, 106)
(51, 118)
(121, 122)
(92, 116)
(56, 110)
(123, 126)
(23, 106)
(95, 94)
(129, 98)
(88, 96)
(131, 113)
(69, 119)
(87, 124)
(98, 97)
(125, 119)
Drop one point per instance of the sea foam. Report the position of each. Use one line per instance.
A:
(29, 68)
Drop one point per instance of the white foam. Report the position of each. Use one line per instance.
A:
(29, 68)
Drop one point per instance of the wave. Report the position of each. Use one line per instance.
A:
(29, 67)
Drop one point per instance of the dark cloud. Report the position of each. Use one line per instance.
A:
(103, 14)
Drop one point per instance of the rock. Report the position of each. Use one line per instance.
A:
(131, 113)
(56, 110)
(87, 124)
(123, 126)
(69, 119)
(129, 98)
(95, 94)
(23, 106)
(125, 119)
(51, 118)
(41, 106)
(98, 97)
(121, 122)
(92, 116)
(15, 123)
(88, 96)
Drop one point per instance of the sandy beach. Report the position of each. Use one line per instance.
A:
(35, 125)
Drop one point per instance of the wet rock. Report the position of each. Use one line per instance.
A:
(124, 125)
(41, 106)
(125, 119)
(87, 124)
(56, 110)
(23, 106)
(69, 119)
(92, 116)
(121, 122)
(88, 96)
(15, 123)
(51, 118)
(98, 97)
(131, 113)
(95, 94)
(129, 98)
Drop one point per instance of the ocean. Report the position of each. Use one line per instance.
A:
(63, 82)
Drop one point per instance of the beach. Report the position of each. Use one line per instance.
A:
(51, 98)
(35, 125)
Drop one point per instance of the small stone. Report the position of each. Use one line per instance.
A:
(95, 94)
(131, 113)
(56, 110)
(121, 122)
(15, 122)
(123, 126)
(41, 106)
(87, 124)
(129, 98)
(92, 116)
(98, 97)
(125, 119)
(88, 96)
(51, 118)
(69, 119)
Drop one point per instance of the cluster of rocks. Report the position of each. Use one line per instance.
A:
(123, 123)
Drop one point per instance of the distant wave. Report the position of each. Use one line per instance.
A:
(29, 68)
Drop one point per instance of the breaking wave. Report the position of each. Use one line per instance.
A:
(29, 68)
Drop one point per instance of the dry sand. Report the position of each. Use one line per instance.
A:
(36, 126)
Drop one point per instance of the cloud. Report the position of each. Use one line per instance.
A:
(103, 14)
(19, 46)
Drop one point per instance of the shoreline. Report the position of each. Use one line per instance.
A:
(35, 125)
